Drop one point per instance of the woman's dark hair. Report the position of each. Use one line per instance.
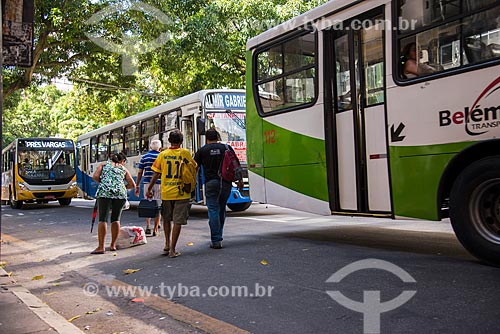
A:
(175, 137)
(212, 134)
(118, 157)
(407, 48)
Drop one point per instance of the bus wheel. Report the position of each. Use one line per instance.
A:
(13, 203)
(236, 207)
(64, 201)
(475, 209)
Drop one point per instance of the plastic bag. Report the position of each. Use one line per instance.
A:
(130, 236)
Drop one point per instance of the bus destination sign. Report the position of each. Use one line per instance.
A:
(223, 101)
(45, 144)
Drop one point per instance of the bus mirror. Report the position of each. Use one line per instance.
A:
(200, 125)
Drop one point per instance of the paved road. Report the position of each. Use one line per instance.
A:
(283, 258)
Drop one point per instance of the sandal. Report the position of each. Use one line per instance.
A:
(176, 254)
(94, 252)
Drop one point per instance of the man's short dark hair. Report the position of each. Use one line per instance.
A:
(212, 134)
(175, 137)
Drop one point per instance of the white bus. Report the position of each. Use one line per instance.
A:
(223, 109)
(38, 170)
(342, 129)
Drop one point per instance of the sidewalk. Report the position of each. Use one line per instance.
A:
(22, 313)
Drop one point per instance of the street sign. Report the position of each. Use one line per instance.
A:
(17, 32)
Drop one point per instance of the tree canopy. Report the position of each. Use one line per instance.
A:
(125, 56)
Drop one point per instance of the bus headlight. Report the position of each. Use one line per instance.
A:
(22, 186)
(73, 185)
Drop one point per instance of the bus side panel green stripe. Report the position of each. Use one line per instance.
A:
(284, 147)
(416, 172)
(309, 180)
(295, 161)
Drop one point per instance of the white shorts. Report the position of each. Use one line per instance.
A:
(156, 190)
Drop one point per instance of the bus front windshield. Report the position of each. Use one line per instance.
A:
(46, 165)
(231, 127)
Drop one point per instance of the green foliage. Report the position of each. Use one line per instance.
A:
(32, 115)
(205, 49)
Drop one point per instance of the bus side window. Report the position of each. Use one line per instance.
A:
(472, 39)
(132, 140)
(93, 150)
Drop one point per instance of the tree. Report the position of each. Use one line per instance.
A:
(59, 43)
(31, 116)
(205, 49)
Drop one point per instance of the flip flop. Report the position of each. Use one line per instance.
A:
(176, 254)
(113, 249)
(96, 252)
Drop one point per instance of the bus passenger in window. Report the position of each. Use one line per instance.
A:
(410, 70)
(26, 166)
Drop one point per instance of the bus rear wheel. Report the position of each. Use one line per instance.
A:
(13, 203)
(64, 201)
(475, 209)
(237, 207)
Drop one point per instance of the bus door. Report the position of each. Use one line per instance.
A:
(188, 133)
(84, 168)
(355, 118)
(192, 143)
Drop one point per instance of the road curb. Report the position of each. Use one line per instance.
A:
(40, 309)
(185, 314)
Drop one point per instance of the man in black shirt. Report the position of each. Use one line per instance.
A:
(217, 190)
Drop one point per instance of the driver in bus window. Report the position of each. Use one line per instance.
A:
(60, 161)
(60, 169)
(413, 68)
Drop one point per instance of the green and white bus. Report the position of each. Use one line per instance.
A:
(336, 126)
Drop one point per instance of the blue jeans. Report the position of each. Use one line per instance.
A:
(216, 196)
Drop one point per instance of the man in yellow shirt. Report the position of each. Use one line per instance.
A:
(175, 201)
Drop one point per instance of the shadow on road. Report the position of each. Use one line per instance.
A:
(435, 243)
